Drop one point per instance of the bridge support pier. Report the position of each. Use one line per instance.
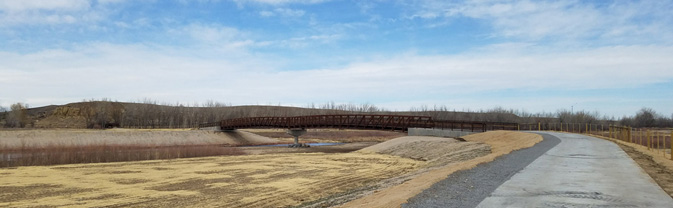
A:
(296, 133)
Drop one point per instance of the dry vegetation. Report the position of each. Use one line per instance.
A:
(160, 137)
(50, 147)
(269, 180)
(233, 181)
(332, 135)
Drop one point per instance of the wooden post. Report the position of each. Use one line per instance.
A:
(647, 135)
(656, 136)
(640, 137)
(629, 132)
(671, 141)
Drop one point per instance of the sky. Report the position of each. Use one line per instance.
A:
(613, 57)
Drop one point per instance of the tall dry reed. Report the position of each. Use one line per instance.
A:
(58, 154)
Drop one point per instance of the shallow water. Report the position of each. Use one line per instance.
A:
(285, 145)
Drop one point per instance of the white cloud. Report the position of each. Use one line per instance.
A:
(566, 19)
(132, 72)
(289, 12)
(12, 6)
(266, 13)
(284, 12)
(212, 33)
(36, 12)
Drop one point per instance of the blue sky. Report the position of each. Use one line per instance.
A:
(613, 57)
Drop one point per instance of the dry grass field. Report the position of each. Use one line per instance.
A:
(10, 139)
(266, 180)
(69, 146)
(232, 181)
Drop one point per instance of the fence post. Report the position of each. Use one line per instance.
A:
(640, 136)
(539, 127)
(647, 135)
(629, 132)
(610, 129)
(663, 138)
(671, 141)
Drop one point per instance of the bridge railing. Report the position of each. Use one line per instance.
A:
(349, 121)
(474, 126)
(384, 122)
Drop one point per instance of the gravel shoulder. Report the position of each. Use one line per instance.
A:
(501, 142)
(469, 187)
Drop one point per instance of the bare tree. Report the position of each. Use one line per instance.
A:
(646, 117)
(18, 117)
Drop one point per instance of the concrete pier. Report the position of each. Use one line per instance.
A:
(296, 133)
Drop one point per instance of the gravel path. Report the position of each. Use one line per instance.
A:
(468, 188)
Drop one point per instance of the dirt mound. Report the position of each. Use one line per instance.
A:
(436, 150)
(67, 137)
(501, 142)
(246, 138)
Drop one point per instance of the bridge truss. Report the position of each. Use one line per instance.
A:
(358, 121)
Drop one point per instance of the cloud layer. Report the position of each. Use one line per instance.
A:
(542, 55)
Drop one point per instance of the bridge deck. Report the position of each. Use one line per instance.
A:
(357, 121)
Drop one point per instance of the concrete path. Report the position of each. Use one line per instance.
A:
(580, 171)
(467, 188)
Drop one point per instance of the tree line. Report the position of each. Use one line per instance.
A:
(106, 113)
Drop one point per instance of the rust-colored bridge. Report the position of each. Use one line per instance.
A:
(358, 121)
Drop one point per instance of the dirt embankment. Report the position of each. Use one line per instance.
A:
(436, 151)
(501, 142)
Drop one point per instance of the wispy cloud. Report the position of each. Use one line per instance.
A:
(567, 19)
(303, 51)
(283, 12)
(40, 12)
(10, 6)
(175, 74)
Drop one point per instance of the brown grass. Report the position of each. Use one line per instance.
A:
(123, 137)
(54, 155)
(333, 135)
(275, 180)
